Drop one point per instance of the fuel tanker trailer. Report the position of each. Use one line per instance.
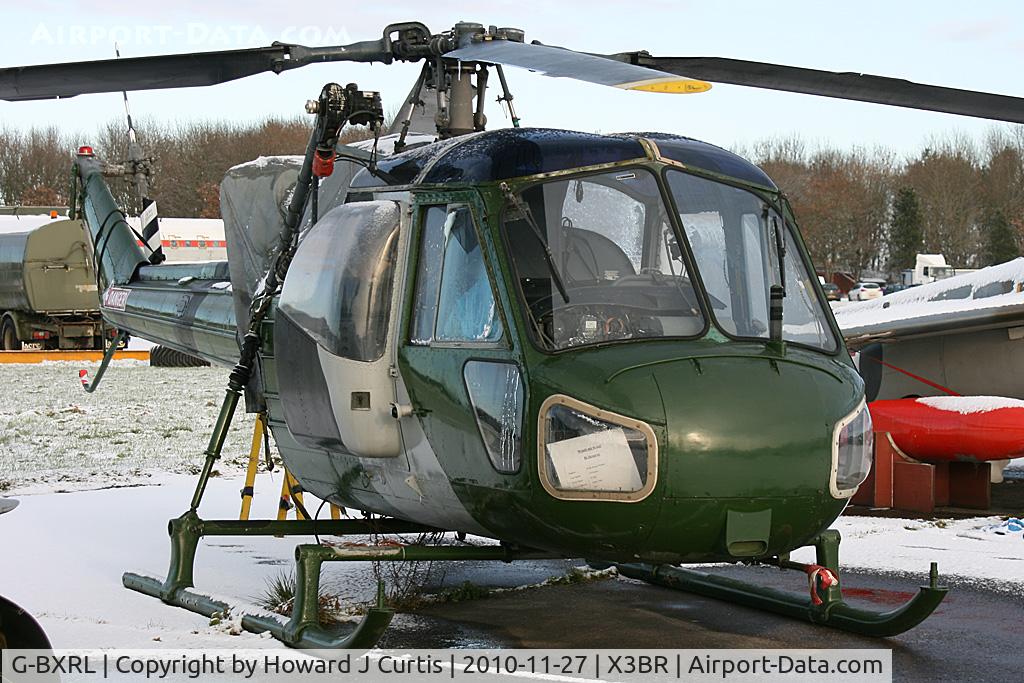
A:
(48, 289)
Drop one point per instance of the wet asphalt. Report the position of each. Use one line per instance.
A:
(977, 634)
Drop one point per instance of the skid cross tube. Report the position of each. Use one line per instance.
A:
(832, 611)
(303, 630)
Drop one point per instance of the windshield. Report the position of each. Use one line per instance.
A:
(733, 236)
(615, 271)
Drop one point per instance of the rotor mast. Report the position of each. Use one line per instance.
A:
(462, 90)
(460, 86)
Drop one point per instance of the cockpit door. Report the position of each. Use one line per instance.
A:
(459, 362)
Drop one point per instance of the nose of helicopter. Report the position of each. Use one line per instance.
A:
(747, 452)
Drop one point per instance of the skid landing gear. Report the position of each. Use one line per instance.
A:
(303, 630)
(825, 606)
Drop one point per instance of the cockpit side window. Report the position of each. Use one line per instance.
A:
(453, 301)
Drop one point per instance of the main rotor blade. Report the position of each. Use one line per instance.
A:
(172, 71)
(564, 63)
(848, 86)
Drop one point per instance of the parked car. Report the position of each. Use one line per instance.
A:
(893, 288)
(832, 291)
(864, 291)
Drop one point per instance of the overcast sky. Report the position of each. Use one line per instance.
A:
(973, 45)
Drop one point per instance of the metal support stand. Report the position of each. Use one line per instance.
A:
(290, 490)
(304, 630)
(899, 482)
(830, 610)
(249, 490)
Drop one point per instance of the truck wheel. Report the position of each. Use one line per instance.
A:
(163, 357)
(10, 336)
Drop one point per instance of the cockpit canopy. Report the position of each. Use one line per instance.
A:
(631, 251)
(517, 152)
(612, 256)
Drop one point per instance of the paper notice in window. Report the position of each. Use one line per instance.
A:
(601, 461)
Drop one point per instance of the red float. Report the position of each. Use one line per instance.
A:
(953, 428)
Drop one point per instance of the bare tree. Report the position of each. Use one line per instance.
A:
(841, 199)
(947, 180)
(34, 165)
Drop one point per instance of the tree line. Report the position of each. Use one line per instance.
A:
(861, 211)
(190, 159)
(866, 211)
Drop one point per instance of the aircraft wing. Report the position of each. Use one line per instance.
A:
(992, 297)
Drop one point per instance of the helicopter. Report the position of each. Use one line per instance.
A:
(522, 334)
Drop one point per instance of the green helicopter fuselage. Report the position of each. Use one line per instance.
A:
(560, 340)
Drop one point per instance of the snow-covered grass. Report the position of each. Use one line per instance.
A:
(140, 422)
(73, 548)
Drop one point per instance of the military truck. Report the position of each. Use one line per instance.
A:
(48, 287)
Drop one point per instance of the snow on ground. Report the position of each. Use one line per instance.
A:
(128, 454)
(968, 549)
(150, 425)
(73, 548)
(140, 422)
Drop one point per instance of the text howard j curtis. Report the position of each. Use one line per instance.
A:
(205, 664)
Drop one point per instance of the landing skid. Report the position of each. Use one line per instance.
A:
(825, 606)
(304, 630)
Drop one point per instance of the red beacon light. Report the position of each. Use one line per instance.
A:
(85, 150)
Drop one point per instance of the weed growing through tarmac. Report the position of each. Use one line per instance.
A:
(404, 581)
(279, 597)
